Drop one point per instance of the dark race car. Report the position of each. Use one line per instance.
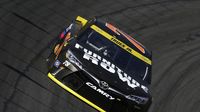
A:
(102, 66)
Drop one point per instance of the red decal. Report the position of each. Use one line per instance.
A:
(114, 29)
(133, 41)
(62, 35)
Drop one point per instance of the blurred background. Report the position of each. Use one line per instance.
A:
(170, 28)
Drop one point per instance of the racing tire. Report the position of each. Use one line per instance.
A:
(50, 60)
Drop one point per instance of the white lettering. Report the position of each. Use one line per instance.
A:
(111, 68)
(107, 65)
(100, 91)
(88, 56)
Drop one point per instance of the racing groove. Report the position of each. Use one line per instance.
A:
(170, 28)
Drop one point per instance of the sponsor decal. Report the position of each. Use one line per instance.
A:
(57, 63)
(103, 85)
(100, 91)
(66, 63)
(132, 40)
(65, 31)
(62, 34)
(110, 67)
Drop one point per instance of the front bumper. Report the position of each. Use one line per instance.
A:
(52, 77)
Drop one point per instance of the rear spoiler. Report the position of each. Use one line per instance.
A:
(82, 20)
(85, 23)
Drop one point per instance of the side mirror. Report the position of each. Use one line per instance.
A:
(105, 52)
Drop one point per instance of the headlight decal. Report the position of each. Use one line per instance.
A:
(137, 99)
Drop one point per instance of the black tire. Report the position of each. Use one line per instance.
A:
(50, 60)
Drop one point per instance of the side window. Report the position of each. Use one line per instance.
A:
(101, 44)
(96, 41)
(84, 36)
(135, 67)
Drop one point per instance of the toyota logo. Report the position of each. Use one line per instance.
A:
(103, 85)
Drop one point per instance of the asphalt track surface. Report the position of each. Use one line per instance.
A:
(170, 28)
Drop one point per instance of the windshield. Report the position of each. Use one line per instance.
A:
(121, 58)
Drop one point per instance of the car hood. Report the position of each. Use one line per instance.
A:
(102, 69)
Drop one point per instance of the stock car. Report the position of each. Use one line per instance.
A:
(102, 66)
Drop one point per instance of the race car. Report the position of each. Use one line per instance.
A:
(102, 66)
